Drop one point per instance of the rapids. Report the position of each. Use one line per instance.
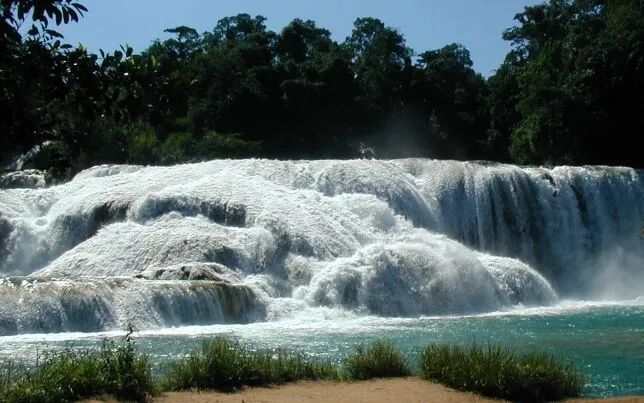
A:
(236, 241)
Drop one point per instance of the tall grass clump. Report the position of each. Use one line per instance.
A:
(379, 360)
(282, 367)
(116, 370)
(9, 373)
(225, 365)
(501, 372)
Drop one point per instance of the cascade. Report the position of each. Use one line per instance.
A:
(38, 305)
(233, 241)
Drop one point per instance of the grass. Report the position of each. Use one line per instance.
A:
(380, 360)
(225, 365)
(500, 372)
(115, 370)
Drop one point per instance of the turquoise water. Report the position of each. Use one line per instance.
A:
(604, 340)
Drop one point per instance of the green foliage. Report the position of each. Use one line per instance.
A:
(182, 147)
(29, 69)
(15, 14)
(379, 360)
(222, 364)
(10, 372)
(53, 158)
(225, 365)
(126, 373)
(500, 372)
(381, 59)
(116, 370)
(454, 96)
(176, 148)
(569, 91)
(216, 145)
(142, 144)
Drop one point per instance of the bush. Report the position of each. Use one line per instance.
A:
(501, 373)
(217, 145)
(142, 143)
(380, 360)
(68, 376)
(225, 365)
(177, 148)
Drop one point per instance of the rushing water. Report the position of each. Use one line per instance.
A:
(318, 255)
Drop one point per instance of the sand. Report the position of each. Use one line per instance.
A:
(374, 391)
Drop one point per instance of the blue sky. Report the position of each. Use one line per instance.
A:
(426, 24)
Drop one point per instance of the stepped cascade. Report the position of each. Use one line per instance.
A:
(236, 241)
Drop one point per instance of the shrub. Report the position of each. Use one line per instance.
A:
(218, 145)
(380, 360)
(178, 147)
(501, 372)
(142, 143)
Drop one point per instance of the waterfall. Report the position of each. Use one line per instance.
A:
(231, 241)
(91, 305)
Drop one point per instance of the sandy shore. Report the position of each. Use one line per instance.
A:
(375, 391)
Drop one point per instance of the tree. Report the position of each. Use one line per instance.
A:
(235, 78)
(317, 91)
(503, 98)
(27, 69)
(578, 86)
(453, 99)
(382, 67)
(16, 12)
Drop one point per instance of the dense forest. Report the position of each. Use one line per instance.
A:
(569, 92)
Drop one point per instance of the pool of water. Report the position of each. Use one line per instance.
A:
(604, 340)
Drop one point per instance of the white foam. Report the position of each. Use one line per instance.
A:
(391, 238)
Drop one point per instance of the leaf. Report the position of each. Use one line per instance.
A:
(81, 8)
(59, 16)
(66, 46)
(65, 15)
(22, 10)
(33, 31)
(53, 33)
(129, 51)
(73, 15)
(153, 59)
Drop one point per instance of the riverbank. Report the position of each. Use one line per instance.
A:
(374, 391)
(226, 366)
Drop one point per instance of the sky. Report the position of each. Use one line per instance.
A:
(426, 24)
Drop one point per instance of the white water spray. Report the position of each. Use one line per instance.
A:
(264, 239)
